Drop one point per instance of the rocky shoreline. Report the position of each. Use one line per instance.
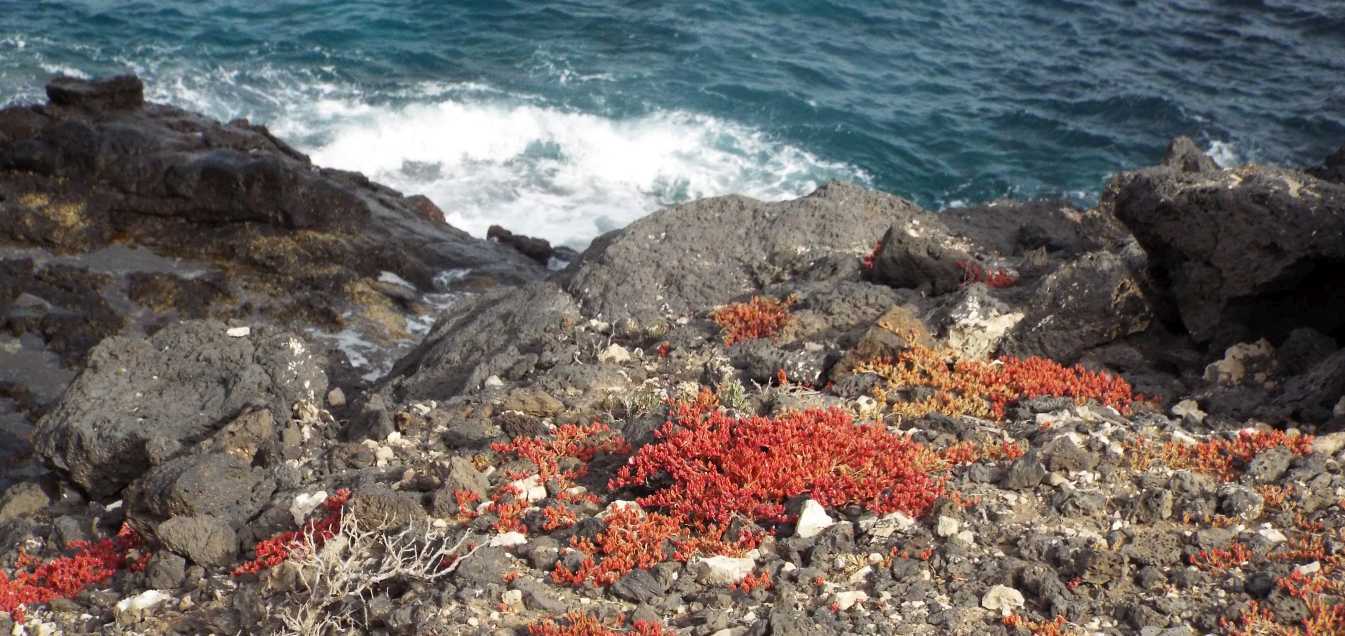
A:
(243, 393)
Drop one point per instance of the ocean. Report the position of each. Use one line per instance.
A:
(569, 119)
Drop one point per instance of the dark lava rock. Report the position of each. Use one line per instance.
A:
(921, 261)
(23, 499)
(537, 595)
(535, 248)
(1182, 155)
(1333, 169)
(487, 566)
(165, 571)
(1087, 302)
(1268, 466)
(688, 258)
(762, 360)
(379, 507)
(1243, 253)
(205, 540)
(1024, 473)
(485, 335)
(122, 92)
(218, 485)
(640, 586)
(179, 385)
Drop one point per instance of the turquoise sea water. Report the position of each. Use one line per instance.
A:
(566, 119)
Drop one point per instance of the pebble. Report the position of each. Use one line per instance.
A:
(130, 608)
(723, 570)
(238, 332)
(947, 527)
(532, 488)
(812, 520)
(614, 353)
(508, 540)
(1002, 599)
(336, 398)
(847, 600)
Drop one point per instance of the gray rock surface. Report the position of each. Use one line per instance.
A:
(180, 385)
(502, 333)
(1091, 301)
(1246, 253)
(205, 540)
(689, 258)
(218, 485)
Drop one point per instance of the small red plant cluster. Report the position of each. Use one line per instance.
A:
(581, 624)
(761, 317)
(986, 389)
(709, 467)
(871, 259)
(1225, 458)
(630, 539)
(35, 582)
(969, 452)
(973, 272)
(1053, 627)
(273, 551)
(752, 582)
(1235, 555)
(570, 440)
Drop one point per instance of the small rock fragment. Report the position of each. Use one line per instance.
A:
(1002, 599)
(813, 519)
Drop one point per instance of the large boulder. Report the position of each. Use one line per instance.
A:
(692, 257)
(216, 485)
(173, 389)
(1244, 253)
(502, 333)
(1087, 302)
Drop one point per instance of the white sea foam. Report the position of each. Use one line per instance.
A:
(543, 171)
(1225, 154)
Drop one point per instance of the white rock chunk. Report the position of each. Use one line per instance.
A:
(813, 520)
(304, 504)
(723, 570)
(238, 332)
(508, 540)
(614, 353)
(946, 526)
(131, 608)
(1002, 599)
(847, 600)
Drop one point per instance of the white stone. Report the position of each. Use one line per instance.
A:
(614, 353)
(336, 397)
(813, 519)
(847, 600)
(618, 505)
(1272, 535)
(946, 526)
(508, 540)
(512, 599)
(1329, 444)
(1002, 599)
(860, 575)
(304, 504)
(238, 332)
(1339, 410)
(493, 381)
(1239, 360)
(531, 487)
(1188, 410)
(1308, 569)
(723, 570)
(966, 538)
(130, 608)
